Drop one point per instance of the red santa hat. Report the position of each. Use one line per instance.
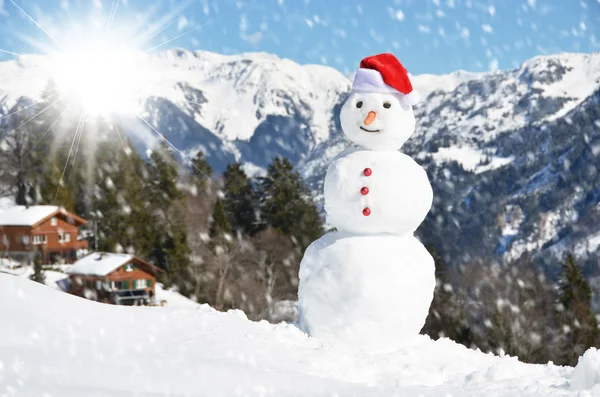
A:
(384, 73)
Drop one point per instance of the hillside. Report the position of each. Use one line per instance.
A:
(512, 155)
(57, 344)
(172, 299)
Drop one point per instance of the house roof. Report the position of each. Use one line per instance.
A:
(31, 216)
(103, 263)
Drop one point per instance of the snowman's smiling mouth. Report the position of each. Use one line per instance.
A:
(371, 131)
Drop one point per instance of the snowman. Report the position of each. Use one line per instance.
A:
(369, 284)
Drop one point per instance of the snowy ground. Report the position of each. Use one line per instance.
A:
(55, 344)
(16, 269)
(174, 299)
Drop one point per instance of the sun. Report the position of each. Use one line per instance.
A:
(103, 80)
(99, 60)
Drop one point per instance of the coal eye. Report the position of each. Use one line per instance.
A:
(387, 105)
(359, 104)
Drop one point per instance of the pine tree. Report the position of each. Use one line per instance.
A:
(53, 189)
(240, 200)
(202, 170)
(38, 274)
(220, 226)
(167, 244)
(577, 318)
(112, 204)
(164, 172)
(53, 186)
(135, 208)
(286, 204)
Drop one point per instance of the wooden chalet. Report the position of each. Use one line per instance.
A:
(46, 231)
(120, 279)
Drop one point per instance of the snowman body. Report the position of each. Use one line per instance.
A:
(368, 292)
(369, 284)
(390, 184)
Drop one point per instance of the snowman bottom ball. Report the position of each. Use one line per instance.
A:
(365, 292)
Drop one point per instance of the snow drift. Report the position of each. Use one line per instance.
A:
(55, 344)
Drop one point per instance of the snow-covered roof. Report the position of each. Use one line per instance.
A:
(26, 216)
(99, 264)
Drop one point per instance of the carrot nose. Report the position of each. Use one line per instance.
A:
(370, 117)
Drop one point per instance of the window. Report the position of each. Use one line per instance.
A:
(53, 221)
(149, 283)
(40, 239)
(125, 284)
(139, 284)
(26, 240)
(98, 285)
(67, 237)
(4, 239)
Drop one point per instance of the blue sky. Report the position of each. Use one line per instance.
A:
(428, 36)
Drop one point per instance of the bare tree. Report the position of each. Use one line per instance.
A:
(20, 155)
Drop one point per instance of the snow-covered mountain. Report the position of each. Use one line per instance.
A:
(512, 155)
(249, 107)
(61, 345)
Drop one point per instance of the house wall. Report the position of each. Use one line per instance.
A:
(11, 238)
(12, 243)
(53, 232)
(138, 274)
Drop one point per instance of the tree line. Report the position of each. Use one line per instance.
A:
(515, 309)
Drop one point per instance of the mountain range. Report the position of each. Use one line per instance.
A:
(513, 156)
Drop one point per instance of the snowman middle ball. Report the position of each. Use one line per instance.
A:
(391, 185)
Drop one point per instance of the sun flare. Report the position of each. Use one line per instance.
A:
(102, 80)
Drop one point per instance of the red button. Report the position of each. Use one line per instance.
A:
(366, 211)
(364, 191)
(367, 172)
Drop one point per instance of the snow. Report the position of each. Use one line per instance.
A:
(26, 216)
(365, 292)
(17, 269)
(425, 84)
(99, 264)
(587, 372)
(174, 299)
(56, 344)
(576, 84)
(241, 90)
(6, 203)
(469, 158)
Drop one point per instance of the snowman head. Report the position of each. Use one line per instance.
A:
(378, 114)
